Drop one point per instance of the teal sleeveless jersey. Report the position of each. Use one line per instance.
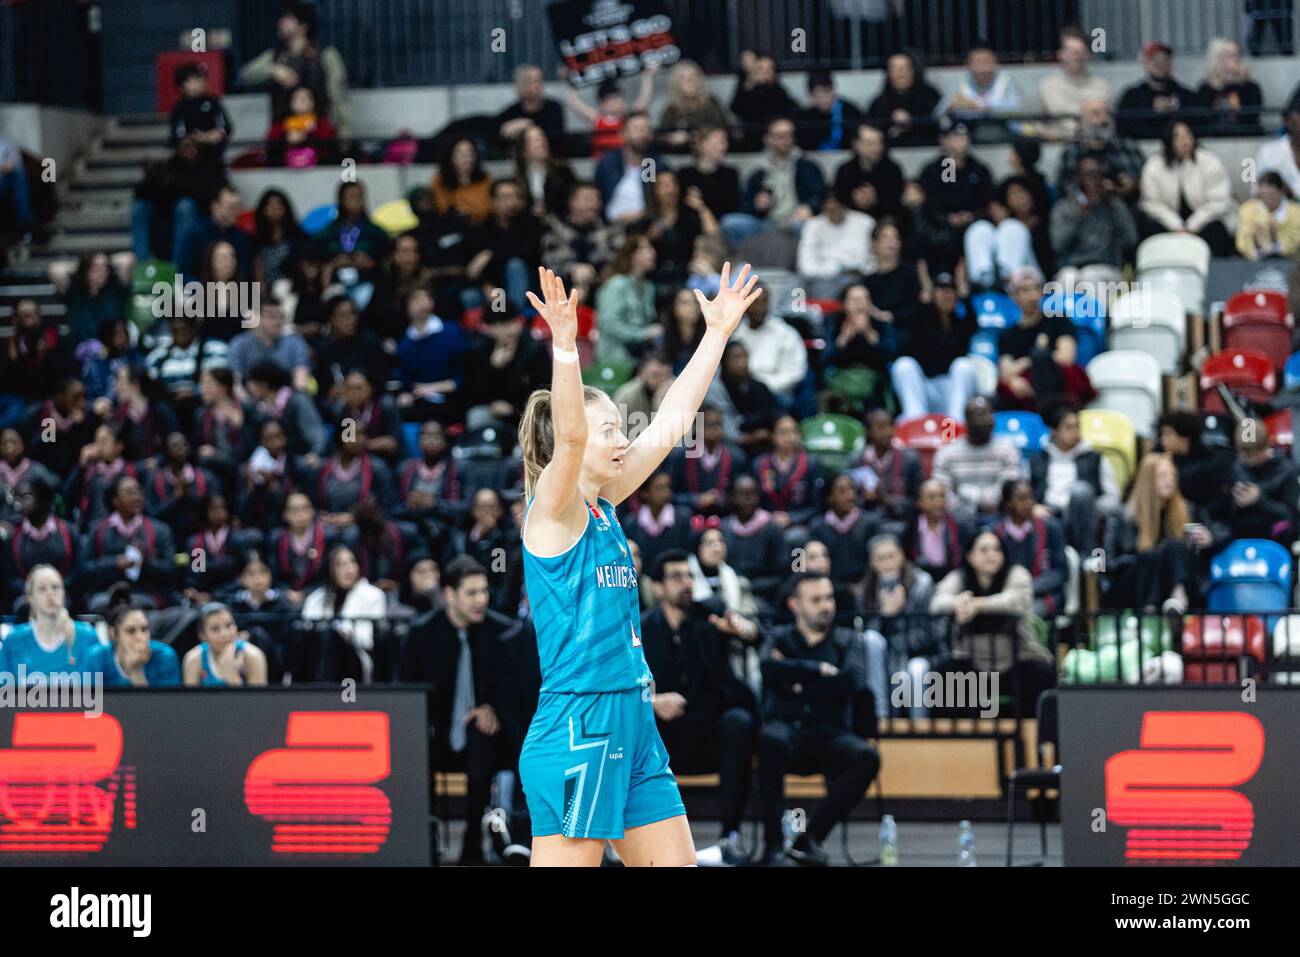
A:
(586, 611)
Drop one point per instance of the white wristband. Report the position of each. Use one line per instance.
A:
(564, 355)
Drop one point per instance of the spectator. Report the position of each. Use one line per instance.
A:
(431, 359)
(546, 180)
(386, 550)
(49, 645)
(1269, 224)
(784, 191)
(220, 225)
(748, 407)
(103, 358)
(1091, 225)
(895, 471)
(73, 426)
(176, 488)
(870, 181)
(133, 658)
(263, 611)
(15, 466)
(754, 541)
(351, 606)
(625, 304)
(866, 338)
(136, 406)
(997, 245)
(622, 175)
(674, 222)
(835, 248)
(223, 424)
(404, 271)
(1262, 503)
(1073, 481)
(223, 546)
(111, 454)
(267, 478)
(1157, 96)
(490, 536)
(829, 122)
(268, 384)
(180, 359)
(352, 244)
(714, 578)
(1148, 558)
(683, 329)
(936, 373)
(691, 109)
(1036, 542)
(1038, 357)
(298, 549)
(1232, 97)
(790, 481)
(717, 183)
(776, 352)
(166, 202)
(1064, 92)
(895, 287)
(505, 366)
(93, 295)
(906, 104)
(638, 399)
(1099, 140)
(845, 528)
(580, 245)
(267, 341)
(704, 714)
(37, 536)
(984, 90)
(895, 599)
(222, 309)
(350, 476)
(276, 236)
(14, 190)
(658, 525)
(607, 117)
(1204, 475)
(973, 468)
(814, 675)
(32, 356)
(302, 138)
(990, 601)
(130, 546)
(759, 97)
(297, 60)
(304, 301)
(222, 659)
(1185, 189)
(462, 189)
(361, 402)
(1282, 155)
(506, 247)
(933, 535)
(531, 108)
(706, 465)
(958, 189)
(458, 651)
(429, 486)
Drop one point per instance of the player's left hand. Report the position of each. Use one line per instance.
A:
(727, 308)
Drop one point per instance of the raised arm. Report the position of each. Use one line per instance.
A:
(682, 400)
(557, 489)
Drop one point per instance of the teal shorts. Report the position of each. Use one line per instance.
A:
(593, 765)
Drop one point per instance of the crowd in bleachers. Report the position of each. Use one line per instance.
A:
(909, 410)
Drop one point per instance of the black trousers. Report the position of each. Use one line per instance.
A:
(849, 762)
(483, 756)
(1152, 577)
(724, 746)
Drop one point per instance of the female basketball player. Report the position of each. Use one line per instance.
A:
(593, 766)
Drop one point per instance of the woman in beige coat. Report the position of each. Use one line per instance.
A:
(1185, 189)
(991, 605)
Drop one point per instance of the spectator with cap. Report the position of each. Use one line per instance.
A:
(1186, 189)
(829, 121)
(957, 188)
(973, 467)
(1064, 91)
(201, 117)
(984, 90)
(1282, 155)
(1158, 96)
(1073, 481)
(870, 181)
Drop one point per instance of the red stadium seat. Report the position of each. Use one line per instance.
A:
(1280, 430)
(1260, 321)
(1245, 372)
(1213, 645)
(925, 433)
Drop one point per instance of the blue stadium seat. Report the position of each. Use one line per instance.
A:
(1291, 373)
(993, 310)
(1088, 316)
(1025, 430)
(985, 343)
(1250, 575)
(320, 217)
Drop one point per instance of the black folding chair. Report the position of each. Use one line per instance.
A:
(1041, 778)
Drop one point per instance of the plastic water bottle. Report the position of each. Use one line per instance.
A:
(965, 845)
(888, 841)
(787, 828)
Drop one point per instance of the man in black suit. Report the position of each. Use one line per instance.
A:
(705, 713)
(458, 651)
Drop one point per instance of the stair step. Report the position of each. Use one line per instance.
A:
(134, 135)
(85, 221)
(47, 309)
(119, 196)
(110, 177)
(35, 290)
(76, 243)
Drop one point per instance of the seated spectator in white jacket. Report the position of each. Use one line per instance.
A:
(984, 89)
(835, 249)
(1185, 189)
(1280, 155)
(1063, 92)
(777, 357)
